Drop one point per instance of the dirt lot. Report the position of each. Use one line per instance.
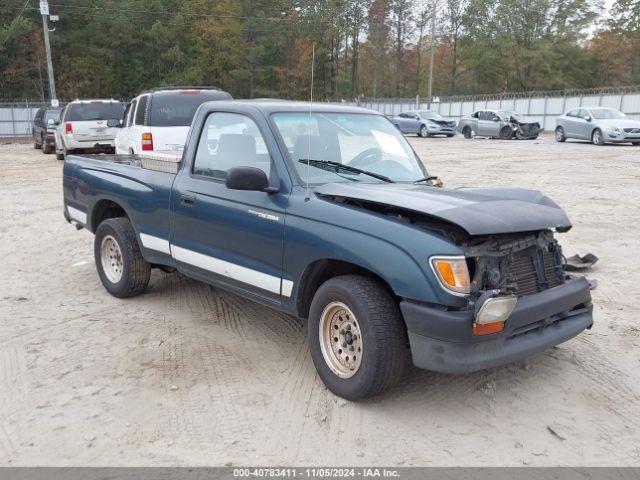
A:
(191, 375)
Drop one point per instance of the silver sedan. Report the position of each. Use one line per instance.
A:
(598, 124)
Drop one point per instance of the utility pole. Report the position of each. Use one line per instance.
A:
(44, 10)
(433, 46)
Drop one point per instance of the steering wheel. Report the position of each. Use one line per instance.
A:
(366, 157)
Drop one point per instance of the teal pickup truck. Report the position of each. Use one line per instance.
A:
(326, 212)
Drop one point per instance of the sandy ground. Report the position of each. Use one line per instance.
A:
(190, 375)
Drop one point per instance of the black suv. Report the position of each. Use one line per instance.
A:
(44, 125)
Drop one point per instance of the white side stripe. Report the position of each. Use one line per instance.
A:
(155, 243)
(231, 270)
(77, 215)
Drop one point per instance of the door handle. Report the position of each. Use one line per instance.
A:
(187, 199)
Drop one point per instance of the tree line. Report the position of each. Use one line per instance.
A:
(366, 48)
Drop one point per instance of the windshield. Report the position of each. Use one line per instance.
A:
(607, 113)
(428, 114)
(84, 112)
(176, 109)
(365, 142)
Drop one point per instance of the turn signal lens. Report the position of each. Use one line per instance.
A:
(487, 328)
(452, 273)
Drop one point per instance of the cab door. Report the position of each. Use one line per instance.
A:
(223, 236)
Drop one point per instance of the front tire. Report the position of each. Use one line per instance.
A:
(356, 337)
(596, 137)
(506, 133)
(466, 131)
(424, 132)
(121, 268)
(560, 136)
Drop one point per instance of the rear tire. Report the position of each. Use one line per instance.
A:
(121, 268)
(449, 135)
(356, 313)
(596, 137)
(560, 136)
(466, 131)
(59, 156)
(635, 143)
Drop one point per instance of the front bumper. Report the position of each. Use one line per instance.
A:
(441, 130)
(620, 138)
(442, 340)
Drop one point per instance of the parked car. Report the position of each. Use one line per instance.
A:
(424, 123)
(327, 213)
(503, 124)
(159, 119)
(598, 124)
(44, 125)
(88, 126)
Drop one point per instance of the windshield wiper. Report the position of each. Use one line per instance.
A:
(425, 179)
(336, 167)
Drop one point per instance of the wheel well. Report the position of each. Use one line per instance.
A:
(104, 210)
(322, 270)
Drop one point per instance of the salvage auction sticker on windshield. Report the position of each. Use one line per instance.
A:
(388, 143)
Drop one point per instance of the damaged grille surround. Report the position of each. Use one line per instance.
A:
(515, 265)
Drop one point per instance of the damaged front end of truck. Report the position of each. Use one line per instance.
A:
(517, 297)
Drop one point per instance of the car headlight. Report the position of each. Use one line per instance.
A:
(615, 130)
(452, 274)
(492, 311)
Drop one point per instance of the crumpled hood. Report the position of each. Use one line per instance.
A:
(480, 211)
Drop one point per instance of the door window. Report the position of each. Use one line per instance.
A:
(485, 116)
(230, 140)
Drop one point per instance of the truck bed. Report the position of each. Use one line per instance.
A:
(168, 162)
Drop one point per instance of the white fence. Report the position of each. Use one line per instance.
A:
(541, 107)
(16, 119)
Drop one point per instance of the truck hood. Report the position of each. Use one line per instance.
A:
(479, 211)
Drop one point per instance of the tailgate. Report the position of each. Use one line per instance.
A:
(92, 130)
(169, 138)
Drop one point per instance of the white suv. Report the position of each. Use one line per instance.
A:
(88, 125)
(160, 119)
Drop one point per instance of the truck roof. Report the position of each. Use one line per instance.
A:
(269, 106)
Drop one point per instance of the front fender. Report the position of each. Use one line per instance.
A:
(396, 252)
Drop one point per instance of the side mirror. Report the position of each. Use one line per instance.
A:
(496, 119)
(113, 123)
(587, 118)
(248, 178)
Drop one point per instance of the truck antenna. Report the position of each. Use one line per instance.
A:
(313, 61)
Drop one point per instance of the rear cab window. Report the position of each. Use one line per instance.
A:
(230, 140)
(90, 111)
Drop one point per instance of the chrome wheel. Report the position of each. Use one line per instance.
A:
(597, 137)
(423, 131)
(340, 339)
(111, 259)
(559, 134)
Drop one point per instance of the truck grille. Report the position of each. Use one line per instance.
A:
(523, 271)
